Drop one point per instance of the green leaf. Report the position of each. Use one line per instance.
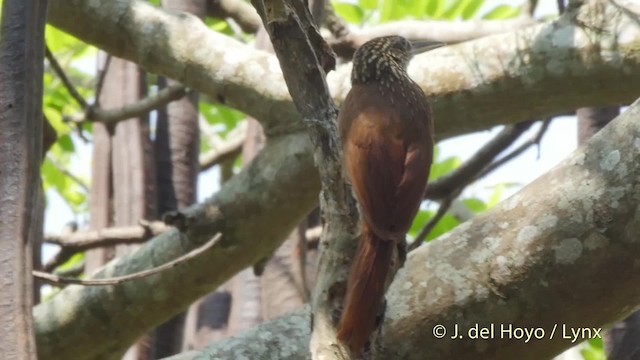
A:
(592, 350)
(419, 221)
(400, 9)
(496, 195)
(475, 205)
(386, 10)
(446, 224)
(350, 12)
(218, 25)
(440, 168)
(73, 261)
(418, 8)
(502, 12)
(368, 4)
(54, 179)
(61, 43)
(435, 8)
(456, 9)
(224, 118)
(66, 143)
(472, 9)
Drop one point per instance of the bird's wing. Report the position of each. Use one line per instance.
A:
(387, 172)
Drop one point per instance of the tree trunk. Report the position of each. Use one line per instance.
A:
(177, 145)
(21, 71)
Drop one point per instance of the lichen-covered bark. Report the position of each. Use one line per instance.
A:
(83, 322)
(563, 251)
(286, 337)
(88, 321)
(498, 79)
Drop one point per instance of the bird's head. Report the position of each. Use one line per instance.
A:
(385, 57)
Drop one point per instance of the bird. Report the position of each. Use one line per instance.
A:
(385, 127)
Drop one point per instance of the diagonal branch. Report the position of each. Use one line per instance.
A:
(523, 263)
(468, 172)
(61, 280)
(80, 182)
(238, 10)
(535, 140)
(549, 58)
(65, 80)
(434, 30)
(224, 151)
(140, 108)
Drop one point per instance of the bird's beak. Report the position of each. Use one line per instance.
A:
(420, 46)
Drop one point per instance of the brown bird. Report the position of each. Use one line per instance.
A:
(386, 129)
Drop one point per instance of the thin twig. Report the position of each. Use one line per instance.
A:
(65, 80)
(101, 77)
(68, 173)
(422, 235)
(61, 257)
(84, 240)
(467, 172)
(503, 140)
(74, 242)
(140, 108)
(229, 149)
(535, 140)
(59, 280)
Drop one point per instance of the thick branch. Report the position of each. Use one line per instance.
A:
(434, 30)
(282, 176)
(508, 83)
(534, 260)
(290, 27)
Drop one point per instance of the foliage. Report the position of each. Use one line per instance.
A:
(379, 11)
(77, 59)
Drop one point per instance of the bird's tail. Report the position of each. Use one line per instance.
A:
(365, 290)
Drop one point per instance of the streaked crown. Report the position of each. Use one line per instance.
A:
(383, 58)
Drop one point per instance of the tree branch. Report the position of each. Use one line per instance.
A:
(224, 151)
(464, 175)
(238, 10)
(534, 260)
(253, 193)
(555, 57)
(61, 280)
(535, 140)
(304, 57)
(140, 108)
(65, 80)
(84, 240)
(68, 173)
(434, 30)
